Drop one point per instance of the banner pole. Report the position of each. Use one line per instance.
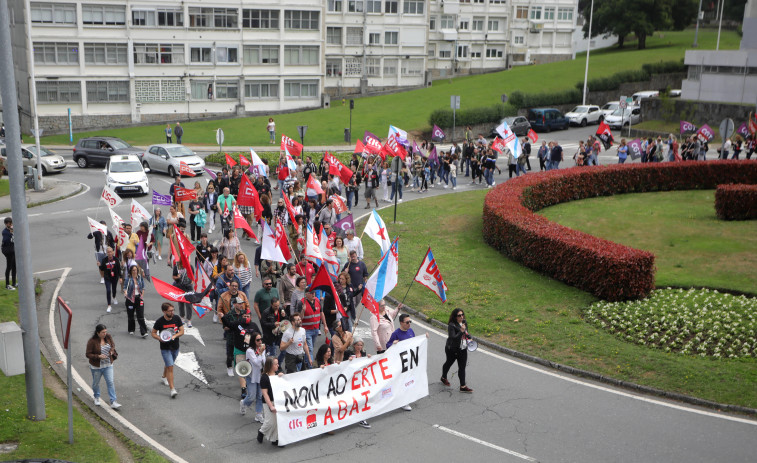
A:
(416, 274)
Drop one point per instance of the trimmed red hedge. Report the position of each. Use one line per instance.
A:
(736, 202)
(608, 270)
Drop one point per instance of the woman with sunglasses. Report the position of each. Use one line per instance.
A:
(256, 356)
(456, 348)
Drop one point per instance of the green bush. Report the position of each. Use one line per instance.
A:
(472, 116)
(272, 157)
(533, 100)
(664, 67)
(637, 75)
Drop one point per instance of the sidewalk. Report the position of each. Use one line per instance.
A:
(54, 190)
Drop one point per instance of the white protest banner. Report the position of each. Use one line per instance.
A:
(110, 197)
(138, 214)
(312, 402)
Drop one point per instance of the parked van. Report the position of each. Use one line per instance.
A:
(546, 119)
(638, 96)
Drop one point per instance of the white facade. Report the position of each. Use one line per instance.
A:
(542, 31)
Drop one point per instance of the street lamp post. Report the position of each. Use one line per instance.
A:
(696, 31)
(588, 49)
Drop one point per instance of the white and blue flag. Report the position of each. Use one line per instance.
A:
(384, 278)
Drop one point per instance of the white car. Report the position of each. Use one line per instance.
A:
(167, 157)
(620, 118)
(124, 174)
(584, 114)
(610, 107)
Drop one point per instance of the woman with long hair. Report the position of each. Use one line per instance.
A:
(230, 245)
(324, 356)
(159, 225)
(456, 348)
(172, 219)
(255, 354)
(243, 271)
(101, 352)
(269, 429)
(134, 288)
(341, 251)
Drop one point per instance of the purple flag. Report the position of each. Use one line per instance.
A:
(705, 134)
(161, 200)
(634, 148)
(743, 130)
(433, 156)
(437, 133)
(345, 224)
(368, 135)
(687, 127)
(211, 173)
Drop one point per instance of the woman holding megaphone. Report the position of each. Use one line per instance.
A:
(456, 348)
(256, 356)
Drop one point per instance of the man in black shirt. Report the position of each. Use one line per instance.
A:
(169, 348)
(555, 155)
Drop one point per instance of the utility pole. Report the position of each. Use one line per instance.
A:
(696, 31)
(588, 49)
(35, 398)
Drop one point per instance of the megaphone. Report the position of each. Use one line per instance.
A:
(243, 368)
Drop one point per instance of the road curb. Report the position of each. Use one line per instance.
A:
(81, 187)
(691, 400)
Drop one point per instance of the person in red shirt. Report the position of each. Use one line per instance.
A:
(306, 269)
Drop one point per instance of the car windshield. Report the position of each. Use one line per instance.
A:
(131, 166)
(580, 109)
(612, 106)
(509, 120)
(620, 112)
(179, 151)
(45, 151)
(119, 144)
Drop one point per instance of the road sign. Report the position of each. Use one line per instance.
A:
(504, 98)
(623, 102)
(726, 128)
(219, 136)
(302, 130)
(34, 132)
(454, 101)
(65, 314)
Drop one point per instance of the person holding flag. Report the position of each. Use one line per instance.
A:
(184, 283)
(172, 191)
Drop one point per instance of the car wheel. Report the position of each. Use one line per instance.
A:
(145, 165)
(583, 122)
(171, 172)
(82, 162)
(601, 119)
(44, 170)
(547, 128)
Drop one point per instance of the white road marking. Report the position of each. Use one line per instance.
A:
(51, 270)
(484, 443)
(85, 385)
(187, 361)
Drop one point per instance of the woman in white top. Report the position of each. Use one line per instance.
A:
(230, 246)
(256, 356)
(385, 177)
(271, 128)
(383, 328)
(243, 271)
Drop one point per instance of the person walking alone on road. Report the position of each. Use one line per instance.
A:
(169, 348)
(179, 132)
(456, 348)
(111, 269)
(167, 130)
(101, 352)
(9, 251)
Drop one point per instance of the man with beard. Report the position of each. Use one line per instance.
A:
(230, 299)
(293, 342)
(240, 326)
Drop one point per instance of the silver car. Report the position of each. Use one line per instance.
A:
(621, 118)
(167, 157)
(51, 162)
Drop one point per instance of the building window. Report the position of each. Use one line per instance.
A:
(301, 89)
(391, 38)
(227, 90)
(390, 7)
(103, 15)
(448, 22)
(373, 67)
(201, 89)
(354, 36)
(261, 90)
(353, 66)
(390, 67)
(493, 25)
(301, 20)
(107, 91)
(374, 38)
(260, 19)
(413, 7)
(462, 51)
(694, 72)
(497, 2)
(535, 12)
(518, 40)
(521, 12)
(143, 18)
(549, 12)
(154, 91)
(300, 55)
(333, 67)
(412, 67)
(373, 6)
(493, 53)
(200, 17)
(261, 54)
(219, 18)
(477, 24)
(164, 53)
(565, 14)
(432, 23)
(445, 54)
(478, 1)
(56, 53)
(335, 5)
(464, 24)
(431, 50)
(53, 13)
(227, 55)
(58, 92)
(355, 6)
(105, 53)
(201, 55)
(334, 35)
(475, 54)
(171, 18)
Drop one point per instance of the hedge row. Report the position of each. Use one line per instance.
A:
(736, 202)
(472, 116)
(535, 100)
(608, 270)
(602, 84)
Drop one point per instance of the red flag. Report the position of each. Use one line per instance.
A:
(170, 292)
(184, 194)
(372, 145)
(240, 222)
(230, 161)
(290, 209)
(243, 161)
(185, 170)
(174, 253)
(392, 148)
(323, 281)
(752, 126)
(294, 148)
(533, 136)
(359, 147)
(248, 196)
(339, 206)
(370, 303)
(281, 240)
(498, 145)
(338, 169)
(186, 249)
(313, 186)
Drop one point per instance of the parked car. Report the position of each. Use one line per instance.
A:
(166, 157)
(518, 124)
(51, 161)
(584, 114)
(675, 93)
(546, 119)
(124, 174)
(609, 107)
(638, 96)
(98, 150)
(621, 118)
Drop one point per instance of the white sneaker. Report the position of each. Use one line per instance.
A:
(407, 408)
(108, 309)
(160, 257)
(446, 186)
(259, 418)
(10, 288)
(102, 281)
(242, 407)
(115, 405)
(97, 401)
(115, 301)
(131, 333)
(173, 393)
(165, 381)
(399, 200)
(230, 371)
(189, 323)
(364, 424)
(215, 318)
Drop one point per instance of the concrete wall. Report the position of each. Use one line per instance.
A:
(696, 112)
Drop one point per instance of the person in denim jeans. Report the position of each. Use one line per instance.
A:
(294, 345)
(312, 318)
(101, 352)
(255, 354)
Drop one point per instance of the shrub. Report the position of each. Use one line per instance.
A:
(608, 270)
(534, 100)
(472, 116)
(664, 67)
(736, 202)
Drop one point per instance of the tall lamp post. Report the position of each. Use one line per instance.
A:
(588, 49)
(696, 31)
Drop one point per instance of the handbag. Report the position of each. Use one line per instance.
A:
(114, 354)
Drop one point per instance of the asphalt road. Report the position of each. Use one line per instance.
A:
(518, 411)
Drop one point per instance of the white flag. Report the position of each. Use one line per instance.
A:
(95, 226)
(110, 197)
(269, 250)
(375, 228)
(312, 250)
(138, 214)
(511, 141)
(384, 278)
(257, 164)
(120, 233)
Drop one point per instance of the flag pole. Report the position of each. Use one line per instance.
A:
(416, 274)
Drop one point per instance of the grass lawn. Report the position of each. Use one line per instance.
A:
(5, 188)
(49, 438)
(524, 310)
(410, 110)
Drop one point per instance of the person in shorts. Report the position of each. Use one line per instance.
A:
(168, 349)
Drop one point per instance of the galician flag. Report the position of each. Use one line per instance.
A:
(257, 164)
(269, 248)
(291, 165)
(201, 283)
(509, 138)
(375, 228)
(327, 252)
(384, 278)
(312, 249)
(428, 275)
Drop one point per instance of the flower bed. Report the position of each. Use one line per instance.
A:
(696, 322)
(608, 270)
(736, 202)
